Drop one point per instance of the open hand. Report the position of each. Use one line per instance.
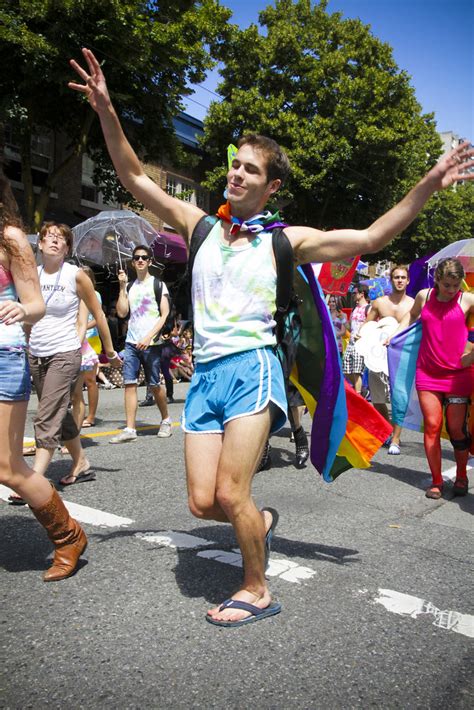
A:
(453, 166)
(95, 87)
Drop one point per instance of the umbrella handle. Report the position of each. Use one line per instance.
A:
(118, 249)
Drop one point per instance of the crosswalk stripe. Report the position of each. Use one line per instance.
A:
(84, 514)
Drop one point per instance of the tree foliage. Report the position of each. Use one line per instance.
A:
(332, 95)
(151, 52)
(448, 217)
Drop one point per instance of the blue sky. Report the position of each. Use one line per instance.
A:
(431, 40)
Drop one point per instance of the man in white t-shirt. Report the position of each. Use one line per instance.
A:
(147, 318)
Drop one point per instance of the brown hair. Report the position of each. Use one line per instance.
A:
(87, 270)
(451, 268)
(277, 163)
(63, 228)
(144, 248)
(8, 218)
(401, 267)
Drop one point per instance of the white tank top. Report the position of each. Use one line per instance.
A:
(56, 332)
(233, 293)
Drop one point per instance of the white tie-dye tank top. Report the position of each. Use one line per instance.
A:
(233, 294)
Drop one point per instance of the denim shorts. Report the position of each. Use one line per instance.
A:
(15, 381)
(149, 358)
(234, 386)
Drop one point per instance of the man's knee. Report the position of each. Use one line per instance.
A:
(201, 507)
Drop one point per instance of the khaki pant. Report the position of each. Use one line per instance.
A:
(54, 378)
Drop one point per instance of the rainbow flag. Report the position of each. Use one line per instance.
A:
(402, 356)
(346, 430)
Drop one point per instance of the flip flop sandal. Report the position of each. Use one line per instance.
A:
(255, 611)
(87, 425)
(82, 477)
(270, 531)
(434, 492)
(16, 500)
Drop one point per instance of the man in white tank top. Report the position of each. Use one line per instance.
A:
(222, 452)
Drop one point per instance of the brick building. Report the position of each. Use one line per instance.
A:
(76, 198)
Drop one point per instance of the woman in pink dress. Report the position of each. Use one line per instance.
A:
(442, 380)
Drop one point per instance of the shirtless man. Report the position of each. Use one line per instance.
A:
(237, 393)
(396, 305)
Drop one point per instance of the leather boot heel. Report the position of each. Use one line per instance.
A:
(66, 535)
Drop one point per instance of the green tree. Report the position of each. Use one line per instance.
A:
(332, 95)
(448, 217)
(151, 53)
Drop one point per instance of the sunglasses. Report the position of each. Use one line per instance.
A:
(141, 257)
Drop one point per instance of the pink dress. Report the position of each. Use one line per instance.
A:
(444, 337)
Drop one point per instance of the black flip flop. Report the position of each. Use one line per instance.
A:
(16, 500)
(270, 531)
(82, 477)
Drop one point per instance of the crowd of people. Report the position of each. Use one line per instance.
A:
(237, 390)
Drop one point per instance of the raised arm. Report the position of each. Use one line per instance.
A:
(30, 307)
(85, 291)
(313, 245)
(180, 214)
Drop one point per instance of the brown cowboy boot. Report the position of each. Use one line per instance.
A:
(66, 535)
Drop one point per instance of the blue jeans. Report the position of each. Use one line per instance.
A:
(149, 358)
(15, 382)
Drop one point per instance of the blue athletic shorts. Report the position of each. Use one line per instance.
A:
(149, 358)
(15, 381)
(234, 386)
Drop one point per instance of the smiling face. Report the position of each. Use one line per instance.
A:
(248, 188)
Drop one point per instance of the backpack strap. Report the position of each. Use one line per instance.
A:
(284, 258)
(200, 232)
(158, 289)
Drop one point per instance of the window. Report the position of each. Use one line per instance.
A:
(91, 196)
(187, 191)
(42, 157)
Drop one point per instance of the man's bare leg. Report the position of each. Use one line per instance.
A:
(220, 474)
(131, 404)
(159, 393)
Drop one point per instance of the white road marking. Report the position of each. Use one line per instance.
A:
(450, 474)
(280, 567)
(92, 516)
(407, 605)
(170, 538)
(84, 514)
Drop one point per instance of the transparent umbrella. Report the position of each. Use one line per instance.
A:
(109, 237)
(462, 250)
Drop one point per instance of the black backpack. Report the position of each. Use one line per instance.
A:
(287, 317)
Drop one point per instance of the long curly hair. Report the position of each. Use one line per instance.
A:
(8, 218)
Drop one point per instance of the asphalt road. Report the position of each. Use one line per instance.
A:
(375, 582)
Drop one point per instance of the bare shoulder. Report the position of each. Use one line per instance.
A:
(16, 235)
